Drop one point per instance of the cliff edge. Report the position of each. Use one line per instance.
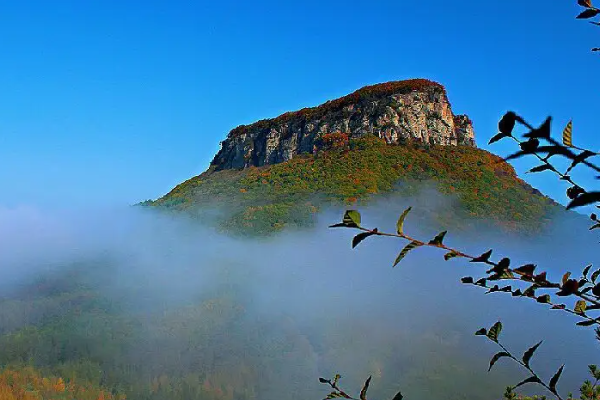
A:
(416, 109)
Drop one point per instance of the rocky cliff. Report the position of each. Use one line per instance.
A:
(415, 109)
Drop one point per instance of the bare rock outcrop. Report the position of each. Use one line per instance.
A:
(415, 109)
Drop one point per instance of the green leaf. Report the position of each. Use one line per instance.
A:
(323, 380)
(527, 269)
(481, 332)
(555, 379)
(502, 275)
(543, 132)
(586, 270)
(336, 379)
(493, 289)
(530, 291)
(540, 278)
(595, 226)
(580, 307)
(545, 299)
(595, 275)
(340, 225)
(594, 371)
(352, 218)
(531, 379)
(436, 241)
(502, 265)
(497, 137)
(588, 322)
(507, 275)
(543, 167)
(509, 394)
(529, 353)
(496, 357)
(494, 331)
(483, 258)
(398, 396)
(412, 245)
(400, 223)
(450, 255)
(363, 392)
(584, 199)
(505, 126)
(362, 236)
(589, 13)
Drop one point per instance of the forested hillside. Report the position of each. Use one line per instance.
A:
(261, 200)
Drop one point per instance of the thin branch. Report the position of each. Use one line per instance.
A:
(550, 303)
(521, 363)
(562, 176)
(544, 284)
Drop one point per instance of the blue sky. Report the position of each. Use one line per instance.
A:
(114, 102)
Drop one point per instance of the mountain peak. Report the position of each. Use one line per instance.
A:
(397, 111)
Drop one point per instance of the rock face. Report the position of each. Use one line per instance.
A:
(415, 109)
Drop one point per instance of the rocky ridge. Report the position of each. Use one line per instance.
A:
(416, 109)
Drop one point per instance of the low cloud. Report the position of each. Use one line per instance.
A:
(306, 304)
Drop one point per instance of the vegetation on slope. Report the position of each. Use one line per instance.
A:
(27, 384)
(211, 347)
(266, 199)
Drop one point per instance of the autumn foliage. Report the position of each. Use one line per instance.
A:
(267, 199)
(28, 384)
(334, 141)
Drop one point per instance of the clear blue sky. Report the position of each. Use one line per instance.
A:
(113, 102)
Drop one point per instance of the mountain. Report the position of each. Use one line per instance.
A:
(153, 320)
(387, 138)
(415, 109)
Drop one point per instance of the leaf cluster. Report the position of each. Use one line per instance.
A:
(588, 13)
(493, 334)
(585, 289)
(533, 145)
(339, 393)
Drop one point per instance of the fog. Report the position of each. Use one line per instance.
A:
(304, 304)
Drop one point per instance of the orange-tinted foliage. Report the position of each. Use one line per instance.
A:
(483, 184)
(334, 141)
(27, 384)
